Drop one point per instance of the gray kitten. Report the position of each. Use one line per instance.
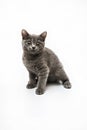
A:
(42, 64)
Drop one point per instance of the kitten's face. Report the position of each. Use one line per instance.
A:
(34, 44)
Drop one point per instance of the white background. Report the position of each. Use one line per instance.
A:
(59, 108)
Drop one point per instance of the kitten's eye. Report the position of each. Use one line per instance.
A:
(38, 43)
(28, 43)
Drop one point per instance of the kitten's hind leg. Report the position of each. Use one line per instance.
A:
(33, 81)
(67, 84)
(64, 78)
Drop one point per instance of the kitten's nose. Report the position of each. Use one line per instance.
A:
(33, 47)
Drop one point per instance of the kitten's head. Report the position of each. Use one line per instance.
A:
(34, 44)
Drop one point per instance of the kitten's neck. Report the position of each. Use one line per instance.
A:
(33, 56)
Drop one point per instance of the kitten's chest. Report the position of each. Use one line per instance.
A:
(32, 65)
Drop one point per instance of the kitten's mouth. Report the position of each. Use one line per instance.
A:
(33, 51)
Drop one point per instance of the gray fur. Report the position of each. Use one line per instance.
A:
(42, 64)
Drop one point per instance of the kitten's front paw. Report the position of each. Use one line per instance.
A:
(39, 91)
(30, 86)
(67, 84)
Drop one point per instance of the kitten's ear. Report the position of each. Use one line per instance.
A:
(24, 34)
(43, 35)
